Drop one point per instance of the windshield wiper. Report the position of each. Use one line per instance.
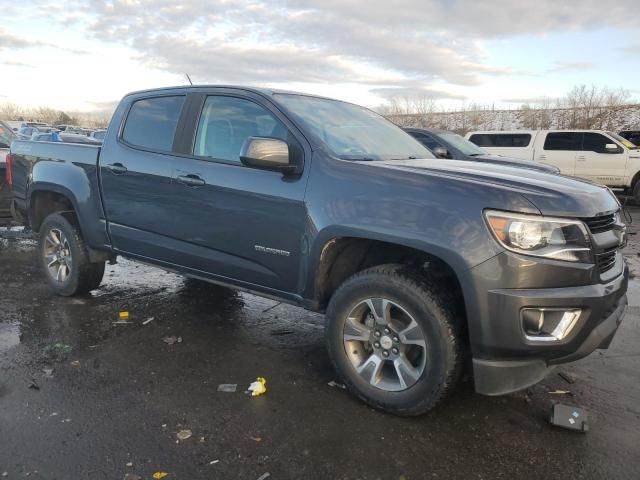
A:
(475, 154)
(405, 158)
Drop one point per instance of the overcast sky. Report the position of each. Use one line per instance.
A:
(85, 55)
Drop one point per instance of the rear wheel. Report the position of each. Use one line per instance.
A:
(394, 340)
(65, 258)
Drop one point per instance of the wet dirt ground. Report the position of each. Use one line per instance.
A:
(84, 397)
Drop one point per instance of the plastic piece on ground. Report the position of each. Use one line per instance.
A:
(183, 434)
(567, 416)
(228, 387)
(258, 387)
(160, 475)
(123, 315)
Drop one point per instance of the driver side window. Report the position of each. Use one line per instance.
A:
(596, 142)
(227, 122)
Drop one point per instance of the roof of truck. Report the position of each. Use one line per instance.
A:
(259, 90)
(498, 132)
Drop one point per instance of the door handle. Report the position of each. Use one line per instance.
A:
(116, 168)
(191, 180)
(542, 157)
(581, 158)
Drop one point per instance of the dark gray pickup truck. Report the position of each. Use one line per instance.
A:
(419, 263)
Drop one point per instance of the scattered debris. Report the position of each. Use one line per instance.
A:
(132, 476)
(258, 387)
(66, 420)
(75, 363)
(164, 425)
(33, 385)
(566, 416)
(129, 464)
(336, 385)
(264, 476)
(148, 320)
(123, 315)
(57, 351)
(271, 307)
(172, 339)
(184, 434)
(228, 387)
(48, 372)
(256, 439)
(54, 414)
(560, 392)
(5, 474)
(567, 377)
(159, 475)
(213, 462)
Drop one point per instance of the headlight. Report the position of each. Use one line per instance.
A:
(556, 238)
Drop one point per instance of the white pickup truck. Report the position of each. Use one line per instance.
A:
(596, 155)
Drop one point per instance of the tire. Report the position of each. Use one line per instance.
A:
(636, 192)
(412, 300)
(73, 273)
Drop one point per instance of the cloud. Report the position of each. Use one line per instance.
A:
(11, 63)
(406, 44)
(415, 92)
(571, 67)
(10, 41)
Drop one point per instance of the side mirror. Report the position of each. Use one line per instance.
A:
(611, 148)
(267, 153)
(441, 152)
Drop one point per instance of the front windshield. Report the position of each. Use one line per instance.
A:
(352, 132)
(462, 144)
(623, 140)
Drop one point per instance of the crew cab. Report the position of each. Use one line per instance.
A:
(444, 144)
(418, 263)
(596, 155)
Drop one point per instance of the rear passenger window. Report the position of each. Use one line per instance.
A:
(227, 122)
(563, 141)
(518, 140)
(152, 122)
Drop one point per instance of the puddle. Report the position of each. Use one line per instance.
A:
(9, 336)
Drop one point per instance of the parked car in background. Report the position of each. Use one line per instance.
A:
(417, 261)
(56, 136)
(7, 136)
(98, 135)
(27, 132)
(632, 135)
(596, 155)
(449, 145)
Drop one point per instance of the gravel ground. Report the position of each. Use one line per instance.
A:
(82, 396)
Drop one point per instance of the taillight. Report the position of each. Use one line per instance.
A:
(9, 176)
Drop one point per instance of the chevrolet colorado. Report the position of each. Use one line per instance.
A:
(419, 264)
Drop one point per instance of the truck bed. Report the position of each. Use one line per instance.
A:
(27, 156)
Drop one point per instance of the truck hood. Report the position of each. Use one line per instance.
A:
(516, 162)
(551, 194)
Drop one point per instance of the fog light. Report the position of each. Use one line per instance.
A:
(549, 324)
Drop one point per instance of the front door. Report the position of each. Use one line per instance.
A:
(561, 149)
(597, 163)
(236, 222)
(136, 173)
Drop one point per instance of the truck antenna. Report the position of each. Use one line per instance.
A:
(189, 78)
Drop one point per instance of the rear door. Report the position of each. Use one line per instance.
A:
(561, 149)
(136, 173)
(231, 221)
(598, 164)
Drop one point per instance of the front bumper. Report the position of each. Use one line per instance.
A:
(505, 360)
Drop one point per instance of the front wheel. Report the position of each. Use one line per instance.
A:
(65, 258)
(394, 339)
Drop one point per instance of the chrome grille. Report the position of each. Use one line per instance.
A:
(600, 224)
(606, 259)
